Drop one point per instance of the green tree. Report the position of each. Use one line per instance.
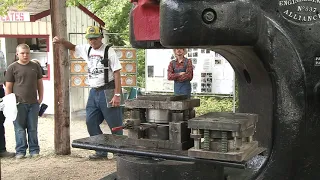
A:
(141, 67)
(6, 4)
(115, 13)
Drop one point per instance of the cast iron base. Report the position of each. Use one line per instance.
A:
(140, 168)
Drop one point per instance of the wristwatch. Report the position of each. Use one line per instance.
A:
(117, 95)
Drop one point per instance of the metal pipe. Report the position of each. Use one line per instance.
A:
(158, 155)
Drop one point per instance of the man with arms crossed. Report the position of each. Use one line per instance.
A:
(24, 79)
(180, 70)
(104, 97)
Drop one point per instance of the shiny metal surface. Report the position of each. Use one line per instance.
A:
(158, 116)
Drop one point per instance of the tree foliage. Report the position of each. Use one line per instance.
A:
(213, 104)
(6, 4)
(115, 14)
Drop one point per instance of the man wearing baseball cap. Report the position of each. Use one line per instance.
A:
(104, 79)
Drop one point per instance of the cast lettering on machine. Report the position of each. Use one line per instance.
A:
(300, 11)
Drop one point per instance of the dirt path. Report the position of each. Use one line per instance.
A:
(50, 166)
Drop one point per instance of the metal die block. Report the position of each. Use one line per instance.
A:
(247, 151)
(215, 145)
(192, 113)
(170, 105)
(186, 115)
(184, 105)
(179, 132)
(189, 113)
(135, 134)
(163, 97)
(160, 133)
(135, 114)
(158, 116)
(150, 143)
(228, 115)
(143, 115)
(162, 144)
(176, 116)
(245, 133)
(134, 122)
(218, 134)
(223, 123)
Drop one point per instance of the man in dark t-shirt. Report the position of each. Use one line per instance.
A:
(24, 79)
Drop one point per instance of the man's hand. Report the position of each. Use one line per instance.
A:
(57, 40)
(40, 100)
(65, 43)
(115, 101)
(182, 73)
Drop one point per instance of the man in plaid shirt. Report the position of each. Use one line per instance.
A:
(180, 71)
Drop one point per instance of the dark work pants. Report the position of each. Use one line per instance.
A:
(2, 118)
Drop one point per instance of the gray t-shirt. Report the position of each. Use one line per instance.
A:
(25, 81)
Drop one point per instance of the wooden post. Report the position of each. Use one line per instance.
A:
(61, 79)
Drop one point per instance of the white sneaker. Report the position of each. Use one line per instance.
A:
(34, 155)
(110, 155)
(19, 156)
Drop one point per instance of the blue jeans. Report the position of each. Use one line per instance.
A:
(27, 119)
(97, 110)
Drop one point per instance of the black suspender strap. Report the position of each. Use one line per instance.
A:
(105, 62)
(89, 51)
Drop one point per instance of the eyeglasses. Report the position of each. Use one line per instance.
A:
(91, 39)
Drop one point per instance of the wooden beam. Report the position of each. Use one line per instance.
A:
(61, 80)
(93, 16)
(38, 16)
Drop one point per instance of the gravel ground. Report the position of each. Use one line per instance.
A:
(50, 166)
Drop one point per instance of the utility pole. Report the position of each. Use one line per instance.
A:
(61, 79)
